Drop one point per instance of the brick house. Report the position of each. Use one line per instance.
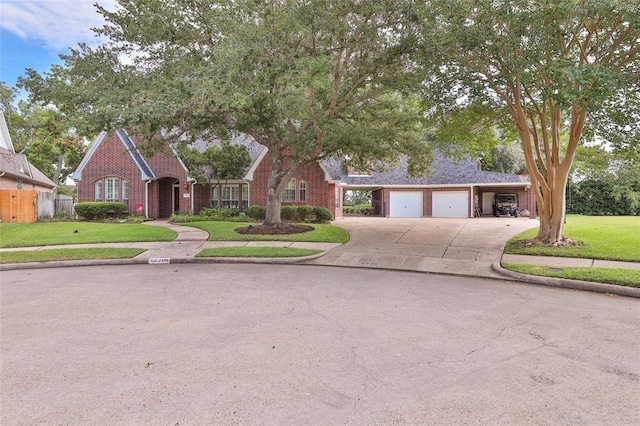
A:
(114, 169)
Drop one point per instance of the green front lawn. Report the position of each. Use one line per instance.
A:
(68, 254)
(257, 252)
(603, 237)
(225, 231)
(624, 277)
(59, 233)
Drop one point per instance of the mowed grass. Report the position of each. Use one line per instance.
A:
(225, 231)
(602, 237)
(623, 277)
(49, 255)
(61, 233)
(257, 252)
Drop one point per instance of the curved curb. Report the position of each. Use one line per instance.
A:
(566, 283)
(172, 261)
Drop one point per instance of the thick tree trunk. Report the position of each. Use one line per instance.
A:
(551, 208)
(277, 183)
(548, 169)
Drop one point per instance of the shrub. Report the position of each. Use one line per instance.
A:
(322, 215)
(218, 214)
(100, 210)
(289, 213)
(257, 212)
(305, 213)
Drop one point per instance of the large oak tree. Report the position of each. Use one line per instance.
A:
(306, 79)
(564, 71)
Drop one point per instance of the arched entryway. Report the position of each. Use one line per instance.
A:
(168, 197)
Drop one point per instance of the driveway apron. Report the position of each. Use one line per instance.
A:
(463, 246)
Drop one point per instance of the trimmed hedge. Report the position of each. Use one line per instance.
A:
(93, 210)
(322, 215)
(305, 213)
(257, 212)
(289, 213)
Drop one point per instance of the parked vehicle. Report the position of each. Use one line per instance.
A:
(505, 204)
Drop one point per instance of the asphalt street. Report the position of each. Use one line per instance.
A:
(191, 344)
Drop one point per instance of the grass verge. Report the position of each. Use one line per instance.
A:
(60, 233)
(49, 255)
(257, 252)
(602, 237)
(225, 231)
(622, 277)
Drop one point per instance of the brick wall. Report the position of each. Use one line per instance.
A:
(111, 159)
(320, 193)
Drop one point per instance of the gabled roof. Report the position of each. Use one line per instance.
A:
(17, 165)
(445, 171)
(256, 151)
(145, 170)
(140, 161)
(5, 138)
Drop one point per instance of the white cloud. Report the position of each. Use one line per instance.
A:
(56, 24)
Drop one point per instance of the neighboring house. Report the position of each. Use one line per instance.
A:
(26, 194)
(114, 169)
(16, 172)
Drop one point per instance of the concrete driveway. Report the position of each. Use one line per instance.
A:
(468, 246)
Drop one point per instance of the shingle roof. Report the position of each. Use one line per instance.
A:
(256, 151)
(140, 161)
(445, 171)
(17, 165)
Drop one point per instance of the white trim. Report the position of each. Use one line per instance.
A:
(327, 175)
(4, 132)
(254, 166)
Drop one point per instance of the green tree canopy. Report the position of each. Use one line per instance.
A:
(305, 79)
(44, 135)
(217, 163)
(555, 68)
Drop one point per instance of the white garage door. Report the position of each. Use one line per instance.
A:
(450, 204)
(405, 204)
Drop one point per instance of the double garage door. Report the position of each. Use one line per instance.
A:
(444, 204)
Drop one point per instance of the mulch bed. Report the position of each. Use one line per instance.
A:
(284, 229)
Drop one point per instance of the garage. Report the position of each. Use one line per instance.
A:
(450, 204)
(405, 204)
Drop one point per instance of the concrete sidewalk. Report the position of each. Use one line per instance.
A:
(462, 247)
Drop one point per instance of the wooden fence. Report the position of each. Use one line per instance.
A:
(18, 206)
(31, 206)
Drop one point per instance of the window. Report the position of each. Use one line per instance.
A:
(230, 196)
(302, 194)
(115, 190)
(214, 196)
(245, 197)
(125, 191)
(98, 190)
(289, 195)
(112, 192)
